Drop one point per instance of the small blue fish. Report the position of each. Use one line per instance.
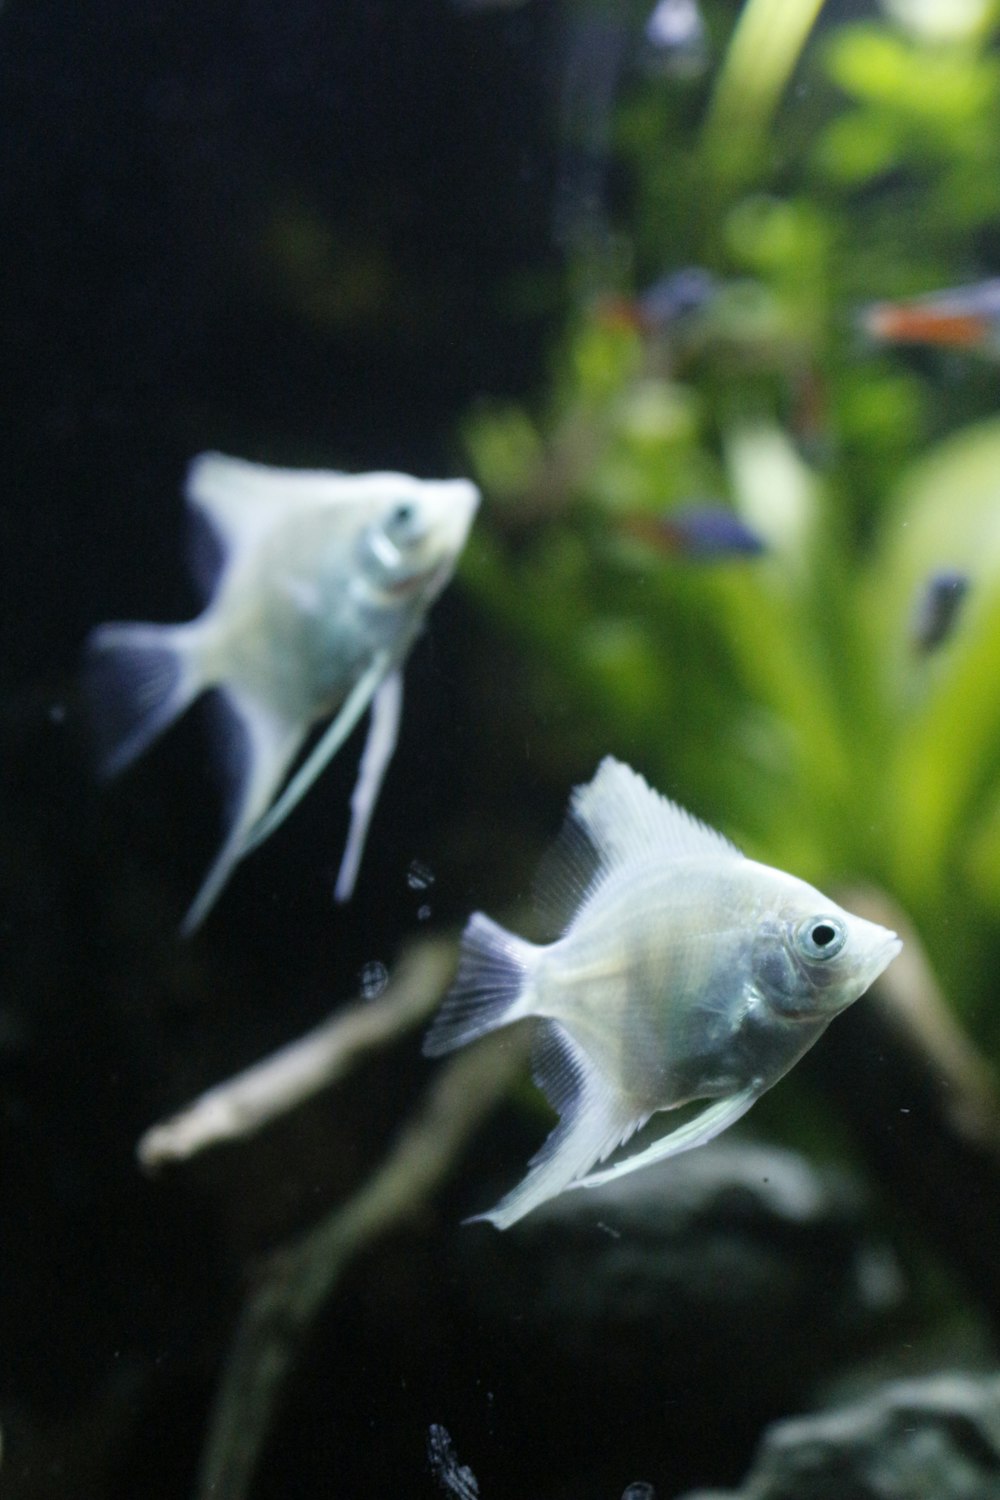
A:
(965, 317)
(326, 579)
(700, 533)
(665, 304)
(937, 608)
(705, 532)
(684, 972)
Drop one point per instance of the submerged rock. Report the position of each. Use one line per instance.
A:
(709, 1296)
(734, 1249)
(932, 1439)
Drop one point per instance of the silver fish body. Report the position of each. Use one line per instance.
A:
(302, 618)
(686, 972)
(325, 582)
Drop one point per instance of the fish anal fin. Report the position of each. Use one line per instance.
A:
(698, 1131)
(383, 732)
(594, 1122)
(256, 747)
(326, 747)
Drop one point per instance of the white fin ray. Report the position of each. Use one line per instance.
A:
(138, 679)
(383, 732)
(269, 744)
(616, 819)
(593, 1124)
(704, 1127)
(625, 819)
(242, 499)
(333, 737)
(490, 989)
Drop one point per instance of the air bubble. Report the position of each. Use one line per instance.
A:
(374, 978)
(419, 877)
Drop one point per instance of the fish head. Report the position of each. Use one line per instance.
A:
(416, 534)
(812, 959)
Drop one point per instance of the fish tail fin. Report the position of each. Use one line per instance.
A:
(492, 987)
(594, 1121)
(137, 680)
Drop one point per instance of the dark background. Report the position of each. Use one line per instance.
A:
(295, 233)
(308, 233)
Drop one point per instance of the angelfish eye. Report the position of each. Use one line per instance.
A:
(821, 937)
(403, 523)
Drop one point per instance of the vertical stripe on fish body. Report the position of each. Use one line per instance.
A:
(684, 972)
(325, 581)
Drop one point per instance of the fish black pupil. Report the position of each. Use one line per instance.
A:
(823, 934)
(402, 515)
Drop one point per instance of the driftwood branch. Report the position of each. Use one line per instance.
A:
(296, 1281)
(913, 1004)
(245, 1103)
(923, 1107)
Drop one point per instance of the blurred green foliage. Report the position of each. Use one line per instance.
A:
(782, 696)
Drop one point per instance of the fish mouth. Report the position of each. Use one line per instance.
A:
(888, 948)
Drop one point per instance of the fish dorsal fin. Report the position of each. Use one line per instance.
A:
(613, 820)
(241, 499)
(624, 818)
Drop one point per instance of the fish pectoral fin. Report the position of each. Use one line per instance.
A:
(255, 758)
(704, 1127)
(594, 1123)
(325, 749)
(383, 732)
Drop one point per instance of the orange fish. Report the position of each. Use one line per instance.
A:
(966, 317)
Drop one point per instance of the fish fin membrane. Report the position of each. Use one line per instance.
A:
(256, 746)
(494, 969)
(569, 873)
(383, 732)
(595, 1121)
(137, 680)
(615, 819)
(242, 500)
(704, 1127)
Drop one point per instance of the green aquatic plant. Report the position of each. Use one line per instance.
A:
(782, 695)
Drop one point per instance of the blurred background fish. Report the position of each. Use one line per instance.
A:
(701, 533)
(937, 608)
(663, 305)
(965, 317)
(325, 582)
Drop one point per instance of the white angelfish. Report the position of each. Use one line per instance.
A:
(685, 972)
(325, 580)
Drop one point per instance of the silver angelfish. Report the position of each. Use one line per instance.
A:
(325, 581)
(686, 972)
